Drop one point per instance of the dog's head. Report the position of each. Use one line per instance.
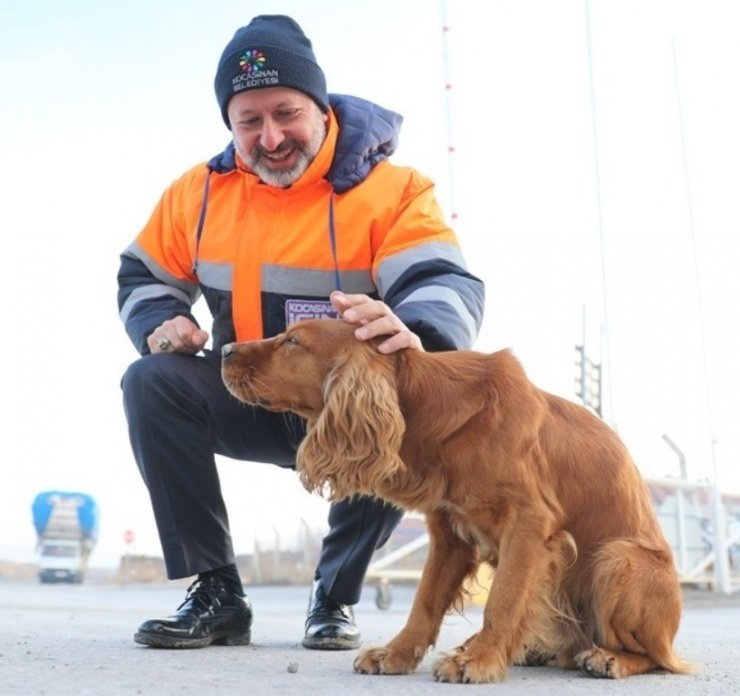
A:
(288, 372)
(344, 387)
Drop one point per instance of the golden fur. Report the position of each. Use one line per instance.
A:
(506, 474)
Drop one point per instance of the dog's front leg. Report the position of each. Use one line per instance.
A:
(523, 577)
(449, 562)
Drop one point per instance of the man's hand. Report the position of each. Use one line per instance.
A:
(178, 335)
(375, 318)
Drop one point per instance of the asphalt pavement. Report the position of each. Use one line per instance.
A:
(78, 639)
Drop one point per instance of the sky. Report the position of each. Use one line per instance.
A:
(586, 152)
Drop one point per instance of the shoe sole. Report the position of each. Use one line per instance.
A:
(330, 644)
(156, 640)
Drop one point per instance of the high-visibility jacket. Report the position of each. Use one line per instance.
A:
(264, 257)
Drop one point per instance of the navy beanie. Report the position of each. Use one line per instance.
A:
(271, 51)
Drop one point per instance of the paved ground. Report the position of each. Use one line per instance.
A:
(78, 640)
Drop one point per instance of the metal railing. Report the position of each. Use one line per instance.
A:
(702, 526)
(688, 512)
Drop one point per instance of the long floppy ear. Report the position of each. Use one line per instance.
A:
(352, 447)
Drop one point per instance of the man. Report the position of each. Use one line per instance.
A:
(301, 216)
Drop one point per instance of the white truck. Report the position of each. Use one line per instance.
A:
(67, 528)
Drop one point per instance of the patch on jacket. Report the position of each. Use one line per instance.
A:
(298, 310)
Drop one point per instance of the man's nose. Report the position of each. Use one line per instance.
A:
(271, 136)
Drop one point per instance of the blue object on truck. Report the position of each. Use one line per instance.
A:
(87, 518)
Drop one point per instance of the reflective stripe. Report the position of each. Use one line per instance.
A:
(219, 276)
(440, 293)
(392, 267)
(147, 292)
(134, 251)
(306, 281)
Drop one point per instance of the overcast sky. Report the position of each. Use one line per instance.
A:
(600, 183)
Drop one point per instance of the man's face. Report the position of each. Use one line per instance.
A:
(277, 132)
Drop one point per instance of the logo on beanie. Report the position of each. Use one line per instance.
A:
(253, 72)
(252, 61)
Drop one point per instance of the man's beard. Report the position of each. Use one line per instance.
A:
(305, 154)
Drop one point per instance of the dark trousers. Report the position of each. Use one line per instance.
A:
(179, 416)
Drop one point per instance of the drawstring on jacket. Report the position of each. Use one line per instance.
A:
(201, 221)
(333, 242)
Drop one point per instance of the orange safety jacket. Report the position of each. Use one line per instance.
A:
(264, 257)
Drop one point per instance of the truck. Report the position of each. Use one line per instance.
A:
(67, 529)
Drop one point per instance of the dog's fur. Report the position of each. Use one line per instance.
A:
(506, 474)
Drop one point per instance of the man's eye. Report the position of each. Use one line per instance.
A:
(287, 115)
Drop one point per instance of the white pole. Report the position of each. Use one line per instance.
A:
(721, 566)
(448, 105)
(680, 506)
(607, 405)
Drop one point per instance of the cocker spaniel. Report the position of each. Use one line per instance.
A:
(506, 474)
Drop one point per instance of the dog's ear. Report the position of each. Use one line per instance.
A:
(353, 446)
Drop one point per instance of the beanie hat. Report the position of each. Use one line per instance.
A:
(271, 51)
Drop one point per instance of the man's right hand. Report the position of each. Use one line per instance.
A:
(375, 318)
(178, 335)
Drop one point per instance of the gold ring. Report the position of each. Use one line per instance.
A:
(163, 343)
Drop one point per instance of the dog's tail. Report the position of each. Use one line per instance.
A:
(637, 601)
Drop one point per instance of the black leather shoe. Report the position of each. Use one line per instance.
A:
(329, 625)
(209, 614)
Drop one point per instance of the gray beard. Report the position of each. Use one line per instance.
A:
(284, 178)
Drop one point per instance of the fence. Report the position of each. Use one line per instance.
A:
(690, 514)
(686, 511)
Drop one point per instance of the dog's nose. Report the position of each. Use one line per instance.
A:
(226, 351)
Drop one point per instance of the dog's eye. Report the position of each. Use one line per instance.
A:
(291, 340)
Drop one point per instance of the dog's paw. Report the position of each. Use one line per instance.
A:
(462, 668)
(384, 661)
(597, 662)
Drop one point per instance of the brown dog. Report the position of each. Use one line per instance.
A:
(506, 474)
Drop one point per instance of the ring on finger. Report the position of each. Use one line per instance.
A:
(164, 343)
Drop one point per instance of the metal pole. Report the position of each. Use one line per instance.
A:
(721, 568)
(448, 107)
(680, 507)
(721, 564)
(257, 563)
(307, 546)
(607, 404)
(679, 453)
(584, 374)
(276, 557)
